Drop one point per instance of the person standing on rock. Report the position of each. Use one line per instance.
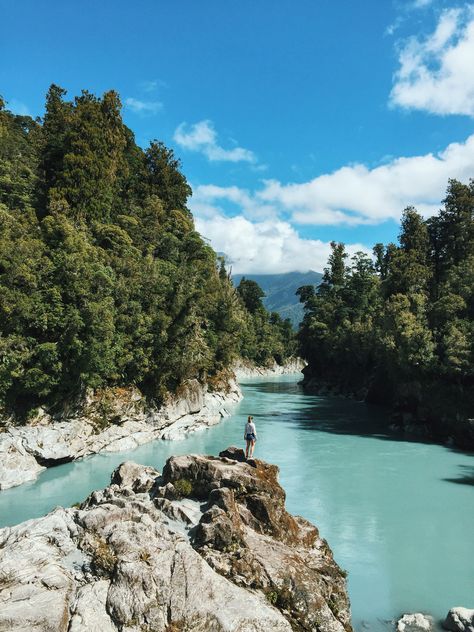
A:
(250, 435)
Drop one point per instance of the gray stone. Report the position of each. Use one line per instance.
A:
(460, 620)
(416, 622)
(245, 370)
(17, 466)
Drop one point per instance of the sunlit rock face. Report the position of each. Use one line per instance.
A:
(207, 545)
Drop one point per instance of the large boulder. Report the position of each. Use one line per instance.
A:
(460, 620)
(181, 552)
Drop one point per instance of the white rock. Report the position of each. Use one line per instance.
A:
(416, 622)
(89, 612)
(460, 620)
(247, 370)
(16, 465)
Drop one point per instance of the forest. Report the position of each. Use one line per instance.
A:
(398, 328)
(103, 277)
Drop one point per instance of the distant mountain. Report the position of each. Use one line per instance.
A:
(280, 291)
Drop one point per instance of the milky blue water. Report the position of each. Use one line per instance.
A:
(398, 515)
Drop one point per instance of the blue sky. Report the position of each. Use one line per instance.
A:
(297, 122)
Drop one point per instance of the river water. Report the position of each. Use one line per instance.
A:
(398, 515)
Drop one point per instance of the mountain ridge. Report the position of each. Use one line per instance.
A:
(280, 291)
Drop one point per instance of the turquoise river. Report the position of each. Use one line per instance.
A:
(398, 514)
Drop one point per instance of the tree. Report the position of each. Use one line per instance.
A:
(251, 294)
(165, 177)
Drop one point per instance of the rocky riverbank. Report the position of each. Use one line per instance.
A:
(119, 419)
(206, 545)
(109, 421)
(247, 370)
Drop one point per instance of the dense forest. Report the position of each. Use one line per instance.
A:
(398, 328)
(103, 277)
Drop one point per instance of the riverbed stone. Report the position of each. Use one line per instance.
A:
(460, 619)
(416, 622)
(245, 370)
(226, 558)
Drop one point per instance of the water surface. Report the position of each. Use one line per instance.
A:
(399, 515)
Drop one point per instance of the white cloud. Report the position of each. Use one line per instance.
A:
(206, 198)
(359, 195)
(149, 86)
(352, 195)
(143, 107)
(202, 137)
(436, 73)
(266, 247)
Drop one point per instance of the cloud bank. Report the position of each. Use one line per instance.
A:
(266, 247)
(352, 195)
(260, 237)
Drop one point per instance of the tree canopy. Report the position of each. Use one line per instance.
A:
(400, 327)
(103, 277)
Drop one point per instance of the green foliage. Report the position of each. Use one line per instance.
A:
(265, 337)
(183, 487)
(104, 280)
(401, 325)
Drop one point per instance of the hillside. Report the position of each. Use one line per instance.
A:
(280, 291)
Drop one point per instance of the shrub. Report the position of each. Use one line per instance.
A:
(183, 487)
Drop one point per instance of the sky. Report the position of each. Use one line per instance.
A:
(297, 122)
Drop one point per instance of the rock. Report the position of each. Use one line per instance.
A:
(244, 370)
(416, 622)
(17, 466)
(26, 450)
(460, 620)
(227, 558)
(138, 477)
(236, 454)
(89, 609)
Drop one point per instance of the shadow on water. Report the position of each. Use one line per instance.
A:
(345, 416)
(466, 477)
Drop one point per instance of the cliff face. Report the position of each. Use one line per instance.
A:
(206, 546)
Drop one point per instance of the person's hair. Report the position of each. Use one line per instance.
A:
(250, 418)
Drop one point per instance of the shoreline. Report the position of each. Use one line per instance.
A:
(27, 451)
(118, 420)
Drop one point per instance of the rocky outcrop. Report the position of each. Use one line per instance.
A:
(113, 421)
(244, 370)
(459, 620)
(206, 546)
